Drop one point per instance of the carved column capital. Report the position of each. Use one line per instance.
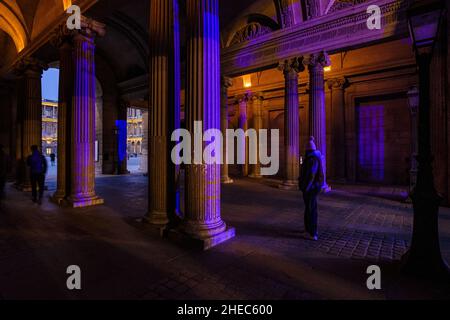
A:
(257, 97)
(90, 28)
(62, 35)
(320, 59)
(30, 66)
(337, 83)
(291, 67)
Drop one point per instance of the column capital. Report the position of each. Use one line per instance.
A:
(242, 98)
(337, 83)
(30, 66)
(226, 82)
(291, 67)
(61, 36)
(90, 28)
(320, 59)
(258, 96)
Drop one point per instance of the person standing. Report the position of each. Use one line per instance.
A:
(4, 164)
(52, 159)
(311, 183)
(38, 169)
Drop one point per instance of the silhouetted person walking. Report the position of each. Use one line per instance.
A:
(4, 163)
(311, 183)
(53, 159)
(38, 170)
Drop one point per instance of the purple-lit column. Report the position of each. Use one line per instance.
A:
(338, 147)
(226, 83)
(291, 68)
(31, 69)
(257, 103)
(63, 41)
(202, 213)
(163, 110)
(243, 124)
(317, 117)
(83, 116)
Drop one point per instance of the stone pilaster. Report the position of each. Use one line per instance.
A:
(31, 71)
(164, 78)
(226, 83)
(63, 42)
(317, 117)
(291, 68)
(338, 146)
(243, 124)
(202, 213)
(83, 116)
(257, 104)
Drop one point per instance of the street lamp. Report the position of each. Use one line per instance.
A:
(424, 256)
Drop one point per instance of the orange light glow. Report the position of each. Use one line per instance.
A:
(247, 80)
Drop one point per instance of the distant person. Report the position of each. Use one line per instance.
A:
(38, 169)
(4, 164)
(311, 183)
(52, 159)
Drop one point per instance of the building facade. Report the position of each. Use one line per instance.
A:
(135, 132)
(49, 127)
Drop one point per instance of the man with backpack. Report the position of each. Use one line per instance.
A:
(311, 184)
(38, 169)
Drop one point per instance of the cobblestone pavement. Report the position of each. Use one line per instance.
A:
(122, 258)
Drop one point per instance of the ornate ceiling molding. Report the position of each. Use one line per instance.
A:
(342, 30)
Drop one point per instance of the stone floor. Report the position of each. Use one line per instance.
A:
(121, 258)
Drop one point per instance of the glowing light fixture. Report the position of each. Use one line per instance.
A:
(67, 4)
(327, 69)
(247, 80)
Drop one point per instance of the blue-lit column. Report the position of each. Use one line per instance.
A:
(317, 116)
(121, 138)
(83, 116)
(164, 111)
(202, 214)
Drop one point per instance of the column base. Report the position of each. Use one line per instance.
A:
(255, 176)
(85, 202)
(289, 185)
(58, 198)
(226, 180)
(191, 241)
(158, 219)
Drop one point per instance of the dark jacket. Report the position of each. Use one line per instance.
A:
(311, 176)
(37, 163)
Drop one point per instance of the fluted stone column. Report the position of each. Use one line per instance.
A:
(317, 117)
(257, 104)
(243, 124)
(226, 83)
(202, 213)
(338, 147)
(83, 116)
(291, 68)
(63, 41)
(164, 105)
(31, 69)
